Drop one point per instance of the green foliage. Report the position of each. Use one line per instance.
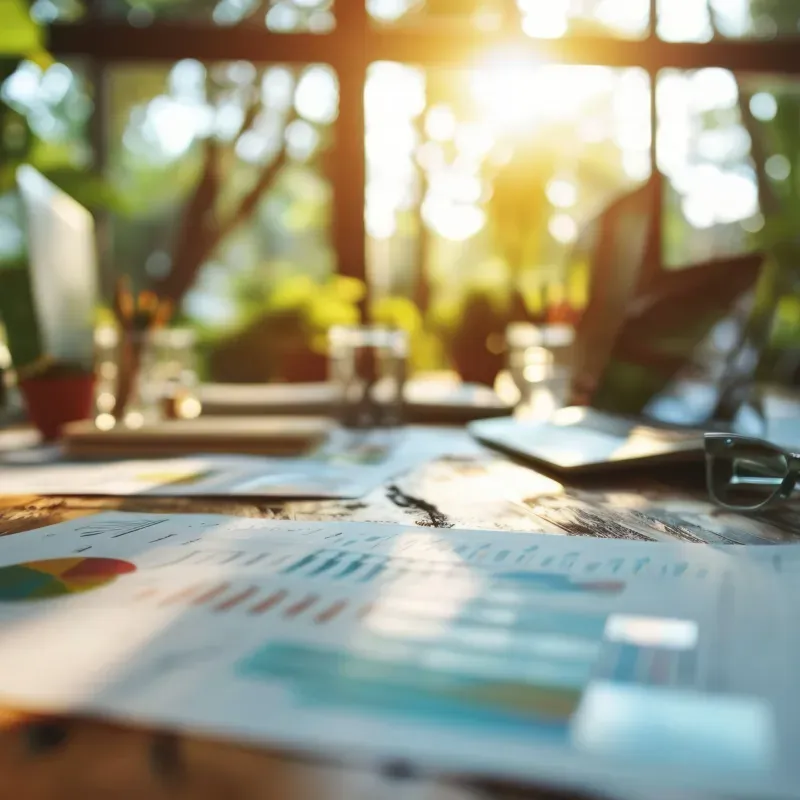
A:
(18, 314)
(317, 305)
(89, 188)
(397, 312)
(519, 208)
(298, 306)
(47, 130)
(40, 128)
(19, 34)
(426, 346)
(786, 331)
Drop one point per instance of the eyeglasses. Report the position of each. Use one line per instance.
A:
(746, 474)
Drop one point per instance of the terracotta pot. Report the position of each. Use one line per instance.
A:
(302, 365)
(53, 402)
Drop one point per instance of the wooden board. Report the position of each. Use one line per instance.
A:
(265, 436)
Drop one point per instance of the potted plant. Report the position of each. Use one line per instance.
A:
(285, 338)
(56, 393)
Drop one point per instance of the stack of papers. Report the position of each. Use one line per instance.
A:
(614, 665)
(348, 466)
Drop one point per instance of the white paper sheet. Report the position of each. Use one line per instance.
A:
(349, 466)
(526, 657)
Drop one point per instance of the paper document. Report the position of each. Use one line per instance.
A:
(349, 466)
(528, 657)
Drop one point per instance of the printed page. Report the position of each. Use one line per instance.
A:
(349, 466)
(519, 656)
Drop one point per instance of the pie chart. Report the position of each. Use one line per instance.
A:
(56, 577)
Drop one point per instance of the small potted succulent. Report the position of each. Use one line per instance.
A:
(55, 393)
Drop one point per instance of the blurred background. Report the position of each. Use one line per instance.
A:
(435, 162)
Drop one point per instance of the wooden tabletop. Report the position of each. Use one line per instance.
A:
(71, 758)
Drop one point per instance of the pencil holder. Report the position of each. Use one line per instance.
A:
(145, 376)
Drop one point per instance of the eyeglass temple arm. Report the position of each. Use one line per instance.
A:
(787, 485)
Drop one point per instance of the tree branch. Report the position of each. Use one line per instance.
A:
(198, 228)
(200, 231)
(250, 201)
(252, 110)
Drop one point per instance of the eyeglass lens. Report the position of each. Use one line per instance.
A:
(745, 475)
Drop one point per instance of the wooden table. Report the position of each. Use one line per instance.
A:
(58, 758)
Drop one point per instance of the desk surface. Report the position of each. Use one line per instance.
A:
(88, 759)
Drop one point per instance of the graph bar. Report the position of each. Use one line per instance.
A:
(373, 573)
(366, 610)
(234, 601)
(211, 594)
(183, 595)
(255, 559)
(304, 604)
(303, 562)
(272, 601)
(331, 612)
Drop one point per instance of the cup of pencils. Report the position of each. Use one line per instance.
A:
(139, 317)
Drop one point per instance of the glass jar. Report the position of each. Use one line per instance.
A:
(368, 369)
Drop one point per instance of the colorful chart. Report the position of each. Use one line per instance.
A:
(558, 584)
(55, 577)
(436, 684)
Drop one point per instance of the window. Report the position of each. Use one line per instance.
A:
(47, 122)
(445, 142)
(486, 173)
(280, 16)
(703, 20)
(161, 120)
(551, 20)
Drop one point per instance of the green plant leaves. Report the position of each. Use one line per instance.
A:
(89, 189)
(19, 34)
(17, 310)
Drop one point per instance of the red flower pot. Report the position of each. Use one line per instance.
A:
(53, 402)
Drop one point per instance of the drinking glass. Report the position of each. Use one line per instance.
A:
(539, 361)
(368, 368)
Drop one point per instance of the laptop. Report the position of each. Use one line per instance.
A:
(677, 356)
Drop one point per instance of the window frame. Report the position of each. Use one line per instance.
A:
(357, 41)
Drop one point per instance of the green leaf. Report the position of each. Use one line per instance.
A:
(88, 188)
(17, 310)
(19, 34)
(397, 312)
